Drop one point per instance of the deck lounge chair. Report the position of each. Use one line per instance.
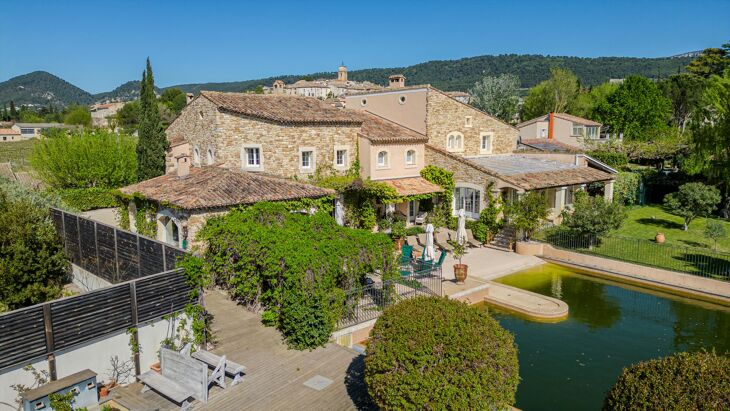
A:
(470, 240)
(421, 218)
(412, 241)
(442, 240)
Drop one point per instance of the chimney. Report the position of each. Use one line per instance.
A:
(551, 125)
(182, 165)
(189, 97)
(397, 81)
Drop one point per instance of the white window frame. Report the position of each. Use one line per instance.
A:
(458, 141)
(346, 164)
(594, 135)
(415, 158)
(477, 197)
(578, 127)
(386, 159)
(468, 122)
(210, 156)
(489, 135)
(244, 157)
(196, 156)
(312, 160)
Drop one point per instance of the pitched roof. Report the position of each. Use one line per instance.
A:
(8, 131)
(564, 116)
(412, 186)
(543, 144)
(279, 108)
(44, 125)
(380, 130)
(559, 178)
(211, 187)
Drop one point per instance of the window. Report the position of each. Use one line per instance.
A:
(196, 156)
(467, 121)
(592, 132)
(341, 158)
(363, 102)
(455, 141)
(4, 138)
(402, 99)
(485, 145)
(383, 159)
(306, 159)
(577, 130)
(210, 159)
(200, 114)
(27, 131)
(411, 157)
(469, 199)
(253, 157)
(569, 191)
(543, 133)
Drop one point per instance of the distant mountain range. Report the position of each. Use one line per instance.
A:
(43, 88)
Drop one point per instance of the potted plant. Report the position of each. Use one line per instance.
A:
(120, 371)
(398, 233)
(660, 238)
(460, 270)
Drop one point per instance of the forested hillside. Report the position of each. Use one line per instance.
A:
(42, 88)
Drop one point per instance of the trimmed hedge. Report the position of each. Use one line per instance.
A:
(85, 199)
(436, 353)
(614, 159)
(683, 381)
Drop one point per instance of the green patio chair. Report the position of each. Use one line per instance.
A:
(406, 254)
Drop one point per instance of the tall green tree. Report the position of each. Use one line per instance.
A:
(13, 111)
(555, 94)
(685, 92)
(638, 109)
(588, 101)
(152, 141)
(528, 213)
(712, 61)
(77, 115)
(497, 96)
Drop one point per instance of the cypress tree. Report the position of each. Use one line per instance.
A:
(152, 142)
(13, 111)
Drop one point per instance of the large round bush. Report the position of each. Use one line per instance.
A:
(683, 381)
(435, 353)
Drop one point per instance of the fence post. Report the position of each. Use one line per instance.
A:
(50, 345)
(63, 227)
(135, 321)
(78, 236)
(164, 257)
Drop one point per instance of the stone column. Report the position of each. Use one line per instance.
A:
(608, 191)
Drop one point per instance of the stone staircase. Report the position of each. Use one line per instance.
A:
(504, 237)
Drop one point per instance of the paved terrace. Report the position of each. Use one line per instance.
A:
(275, 375)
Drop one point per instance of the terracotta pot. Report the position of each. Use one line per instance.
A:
(659, 238)
(104, 391)
(399, 243)
(460, 271)
(156, 367)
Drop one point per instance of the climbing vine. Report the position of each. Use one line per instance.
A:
(124, 215)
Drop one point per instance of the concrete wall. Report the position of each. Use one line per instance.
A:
(6, 138)
(388, 104)
(17, 375)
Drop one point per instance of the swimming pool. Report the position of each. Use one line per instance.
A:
(571, 364)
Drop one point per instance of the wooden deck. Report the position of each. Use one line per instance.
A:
(275, 375)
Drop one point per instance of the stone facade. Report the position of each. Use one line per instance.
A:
(227, 134)
(444, 115)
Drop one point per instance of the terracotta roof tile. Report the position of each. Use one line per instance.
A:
(380, 130)
(559, 178)
(412, 186)
(543, 144)
(9, 131)
(281, 108)
(210, 187)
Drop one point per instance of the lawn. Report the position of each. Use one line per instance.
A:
(683, 251)
(17, 153)
(645, 222)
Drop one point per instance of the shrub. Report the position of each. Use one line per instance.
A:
(293, 266)
(528, 213)
(615, 159)
(33, 266)
(714, 230)
(436, 353)
(85, 199)
(683, 381)
(86, 159)
(627, 188)
(414, 230)
(594, 216)
(398, 229)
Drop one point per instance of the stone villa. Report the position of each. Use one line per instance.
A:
(561, 128)
(324, 88)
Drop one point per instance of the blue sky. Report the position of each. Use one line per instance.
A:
(99, 45)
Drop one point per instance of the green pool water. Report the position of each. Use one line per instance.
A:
(571, 364)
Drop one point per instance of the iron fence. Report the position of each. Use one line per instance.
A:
(368, 302)
(702, 262)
